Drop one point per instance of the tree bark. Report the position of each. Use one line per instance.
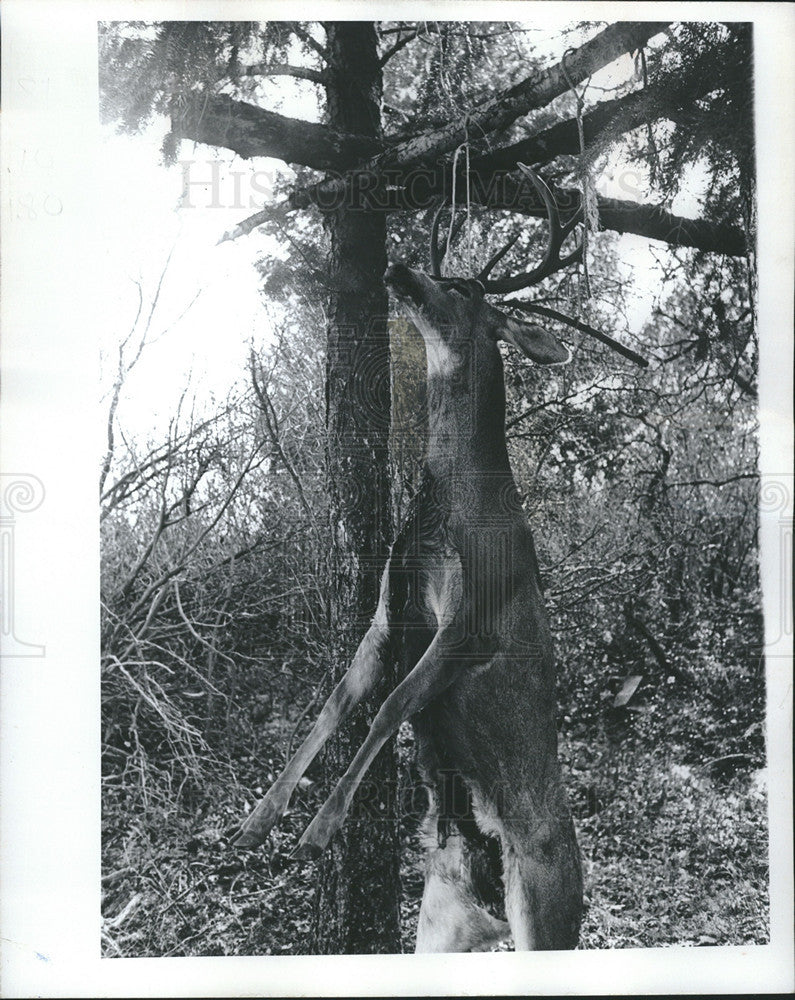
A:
(356, 907)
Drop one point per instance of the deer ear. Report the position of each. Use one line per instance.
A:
(535, 342)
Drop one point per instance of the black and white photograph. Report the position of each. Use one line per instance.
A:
(397, 499)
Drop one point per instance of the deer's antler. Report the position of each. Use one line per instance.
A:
(551, 261)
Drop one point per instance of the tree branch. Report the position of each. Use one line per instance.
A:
(512, 193)
(283, 69)
(401, 43)
(656, 223)
(536, 91)
(650, 221)
(313, 43)
(220, 120)
(490, 182)
(667, 666)
(390, 183)
(743, 383)
(718, 482)
(622, 114)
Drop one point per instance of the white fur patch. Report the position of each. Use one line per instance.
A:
(381, 617)
(450, 919)
(486, 816)
(443, 588)
(442, 360)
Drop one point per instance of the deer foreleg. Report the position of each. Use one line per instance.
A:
(435, 671)
(359, 680)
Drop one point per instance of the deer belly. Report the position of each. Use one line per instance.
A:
(496, 727)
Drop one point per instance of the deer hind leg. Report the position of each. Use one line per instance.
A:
(543, 880)
(452, 917)
(362, 675)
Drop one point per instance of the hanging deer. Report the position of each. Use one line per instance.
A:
(460, 604)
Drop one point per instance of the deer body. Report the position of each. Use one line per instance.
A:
(460, 604)
(487, 746)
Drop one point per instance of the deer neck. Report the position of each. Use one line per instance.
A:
(466, 422)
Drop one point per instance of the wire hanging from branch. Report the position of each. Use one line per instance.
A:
(590, 211)
(469, 203)
(451, 229)
(654, 155)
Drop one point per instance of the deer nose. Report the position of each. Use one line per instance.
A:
(395, 272)
(401, 280)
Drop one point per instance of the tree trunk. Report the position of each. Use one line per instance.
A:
(357, 899)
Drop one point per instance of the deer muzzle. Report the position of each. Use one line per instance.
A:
(406, 283)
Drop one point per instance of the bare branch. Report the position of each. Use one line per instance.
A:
(283, 69)
(271, 425)
(400, 44)
(718, 482)
(220, 120)
(313, 43)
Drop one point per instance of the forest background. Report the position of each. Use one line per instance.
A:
(217, 545)
(64, 367)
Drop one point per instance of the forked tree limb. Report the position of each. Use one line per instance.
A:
(218, 119)
(535, 91)
(400, 44)
(616, 116)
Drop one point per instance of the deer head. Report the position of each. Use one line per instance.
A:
(452, 311)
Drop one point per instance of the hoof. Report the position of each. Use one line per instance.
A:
(254, 831)
(246, 839)
(306, 852)
(317, 836)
